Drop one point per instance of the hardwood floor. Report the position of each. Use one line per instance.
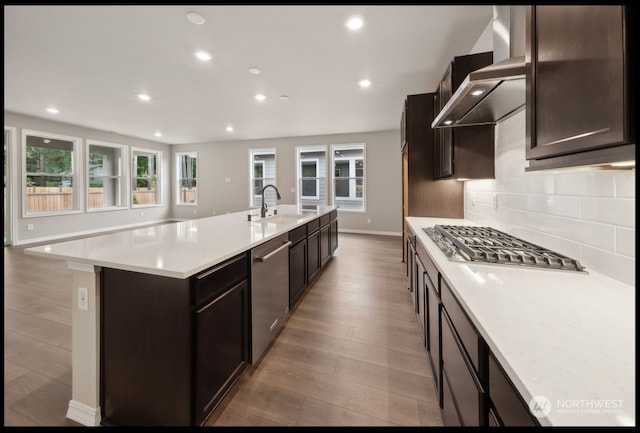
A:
(349, 354)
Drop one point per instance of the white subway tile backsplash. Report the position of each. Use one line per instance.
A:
(585, 214)
(613, 265)
(593, 184)
(620, 212)
(625, 182)
(626, 241)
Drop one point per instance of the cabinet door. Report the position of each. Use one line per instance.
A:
(221, 346)
(334, 236)
(510, 409)
(433, 336)
(578, 85)
(421, 300)
(297, 272)
(325, 247)
(313, 255)
(465, 387)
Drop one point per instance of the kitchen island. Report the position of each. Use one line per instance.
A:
(158, 274)
(565, 341)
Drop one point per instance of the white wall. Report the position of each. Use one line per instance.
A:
(220, 161)
(586, 214)
(46, 228)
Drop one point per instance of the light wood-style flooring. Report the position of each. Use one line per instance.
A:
(349, 354)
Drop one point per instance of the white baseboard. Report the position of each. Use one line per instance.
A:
(369, 232)
(85, 415)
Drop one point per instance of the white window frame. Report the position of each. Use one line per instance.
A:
(350, 146)
(76, 173)
(252, 154)
(178, 180)
(311, 197)
(134, 178)
(305, 149)
(123, 169)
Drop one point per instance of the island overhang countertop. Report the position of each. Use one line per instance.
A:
(181, 249)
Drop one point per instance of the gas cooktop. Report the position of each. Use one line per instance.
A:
(488, 245)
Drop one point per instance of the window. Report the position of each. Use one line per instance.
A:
(262, 172)
(106, 176)
(187, 182)
(312, 175)
(146, 177)
(50, 182)
(349, 176)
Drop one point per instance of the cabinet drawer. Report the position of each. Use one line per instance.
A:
(313, 226)
(334, 215)
(214, 281)
(510, 408)
(428, 264)
(461, 323)
(465, 385)
(325, 219)
(298, 234)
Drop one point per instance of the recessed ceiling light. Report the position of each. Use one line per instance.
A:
(143, 97)
(364, 83)
(229, 128)
(53, 110)
(354, 23)
(260, 97)
(158, 134)
(255, 71)
(284, 97)
(477, 92)
(447, 122)
(46, 140)
(202, 55)
(195, 18)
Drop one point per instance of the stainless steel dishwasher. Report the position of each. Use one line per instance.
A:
(269, 292)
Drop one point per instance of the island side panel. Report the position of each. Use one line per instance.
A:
(146, 349)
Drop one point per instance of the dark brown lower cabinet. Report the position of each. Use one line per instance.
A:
(466, 390)
(325, 245)
(220, 343)
(171, 348)
(507, 406)
(334, 236)
(433, 325)
(297, 271)
(313, 255)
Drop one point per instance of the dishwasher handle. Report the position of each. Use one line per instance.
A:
(272, 253)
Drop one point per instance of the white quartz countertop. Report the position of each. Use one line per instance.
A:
(565, 336)
(181, 249)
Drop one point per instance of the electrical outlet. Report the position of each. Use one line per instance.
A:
(495, 201)
(29, 226)
(473, 199)
(83, 298)
(141, 213)
(368, 220)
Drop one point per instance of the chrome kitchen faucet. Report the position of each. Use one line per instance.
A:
(263, 209)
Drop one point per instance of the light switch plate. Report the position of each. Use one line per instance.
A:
(83, 298)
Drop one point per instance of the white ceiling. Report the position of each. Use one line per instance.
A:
(91, 61)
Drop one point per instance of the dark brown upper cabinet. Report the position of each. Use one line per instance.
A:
(579, 86)
(463, 152)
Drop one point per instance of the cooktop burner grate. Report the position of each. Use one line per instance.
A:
(488, 245)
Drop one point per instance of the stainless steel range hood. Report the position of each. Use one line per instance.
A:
(495, 92)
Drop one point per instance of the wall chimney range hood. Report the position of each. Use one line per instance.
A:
(495, 92)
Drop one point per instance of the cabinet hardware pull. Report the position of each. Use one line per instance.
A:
(217, 268)
(268, 256)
